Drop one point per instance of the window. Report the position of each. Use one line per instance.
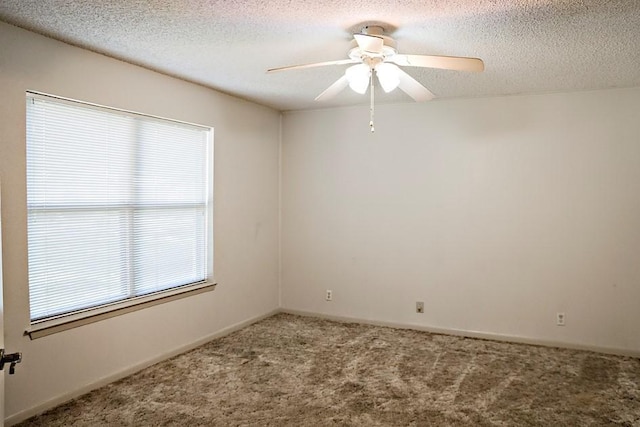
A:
(118, 204)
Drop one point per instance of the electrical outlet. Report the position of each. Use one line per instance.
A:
(560, 319)
(419, 307)
(329, 295)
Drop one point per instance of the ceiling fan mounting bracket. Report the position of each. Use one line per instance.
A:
(373, 30)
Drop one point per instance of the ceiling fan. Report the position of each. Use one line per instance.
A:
(373, 52)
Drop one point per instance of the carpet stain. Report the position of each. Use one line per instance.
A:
(599, 372)
(300, 371)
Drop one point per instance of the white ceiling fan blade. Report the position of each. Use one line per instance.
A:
(369, 43)
(316, 64)
(413, 88)
(334, 89)
(456, 63)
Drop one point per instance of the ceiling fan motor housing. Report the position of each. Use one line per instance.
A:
(389, 47)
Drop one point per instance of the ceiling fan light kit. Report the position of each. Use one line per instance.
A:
(373, 52)
(358, 77)
(388, 76)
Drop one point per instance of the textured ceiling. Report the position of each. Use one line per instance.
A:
(527, 45)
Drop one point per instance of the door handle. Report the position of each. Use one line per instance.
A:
(12, 359)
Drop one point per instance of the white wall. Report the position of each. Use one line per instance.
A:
(497, 213)
(246, 218)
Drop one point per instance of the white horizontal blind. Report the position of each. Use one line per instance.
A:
(117, 205)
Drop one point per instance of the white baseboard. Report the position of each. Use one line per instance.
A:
(63, 398)
(470, 334)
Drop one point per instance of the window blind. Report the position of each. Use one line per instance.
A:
(118, 205)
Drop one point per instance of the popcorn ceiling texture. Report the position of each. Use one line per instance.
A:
(527, 45)
(296, 371)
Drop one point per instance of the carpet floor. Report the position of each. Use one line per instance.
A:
(298, 371)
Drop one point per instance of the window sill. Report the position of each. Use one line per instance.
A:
(73, 320)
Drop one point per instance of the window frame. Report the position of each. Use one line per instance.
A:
(58, 323)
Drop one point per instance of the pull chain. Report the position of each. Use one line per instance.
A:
(371, 107)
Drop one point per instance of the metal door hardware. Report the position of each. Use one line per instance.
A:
(11, 359)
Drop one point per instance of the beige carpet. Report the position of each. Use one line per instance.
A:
(298, 371)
